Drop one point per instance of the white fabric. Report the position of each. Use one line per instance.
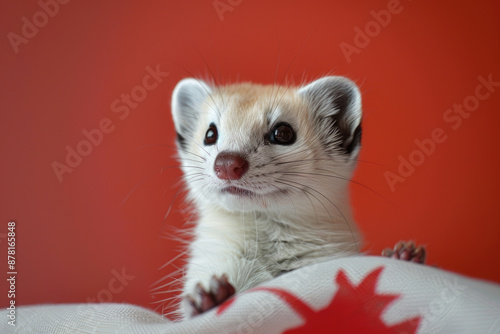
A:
(444, 301)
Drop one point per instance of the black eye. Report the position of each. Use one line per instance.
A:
(211, 135)
(282, 134)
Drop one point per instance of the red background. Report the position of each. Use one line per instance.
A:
(72, 234)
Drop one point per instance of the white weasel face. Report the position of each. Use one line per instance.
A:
(250, 147)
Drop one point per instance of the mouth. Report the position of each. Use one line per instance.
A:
(237, 191)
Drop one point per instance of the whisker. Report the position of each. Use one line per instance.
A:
(277, 68)
(336, 177)
(336, 207)
(200, 80)
(291, 200)
(372, 163)
(215, 80)
(167, 276)
(189, 177)
(289, 66)
(286, 154)
(196, 143)
(168, 167)
(305, 193)
(303, 161)
(124, 200)
(170, 147)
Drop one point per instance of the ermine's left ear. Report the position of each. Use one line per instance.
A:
(336, 102)
(187, 100)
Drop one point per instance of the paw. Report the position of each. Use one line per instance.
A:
(406, 251)
(201, 300)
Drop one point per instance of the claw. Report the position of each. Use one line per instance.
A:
(406, 251)
(219, 291)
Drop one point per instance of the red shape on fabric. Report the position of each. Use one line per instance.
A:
(225, 306)
(353, 309)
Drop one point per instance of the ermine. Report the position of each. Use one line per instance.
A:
(267, 170)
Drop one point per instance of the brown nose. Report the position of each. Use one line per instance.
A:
(229, 166)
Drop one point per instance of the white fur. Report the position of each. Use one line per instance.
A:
(300, 213)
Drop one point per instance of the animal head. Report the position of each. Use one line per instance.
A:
(252, 147)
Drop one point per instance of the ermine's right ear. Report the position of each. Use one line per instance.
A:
(187, 99)
(336, 103)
